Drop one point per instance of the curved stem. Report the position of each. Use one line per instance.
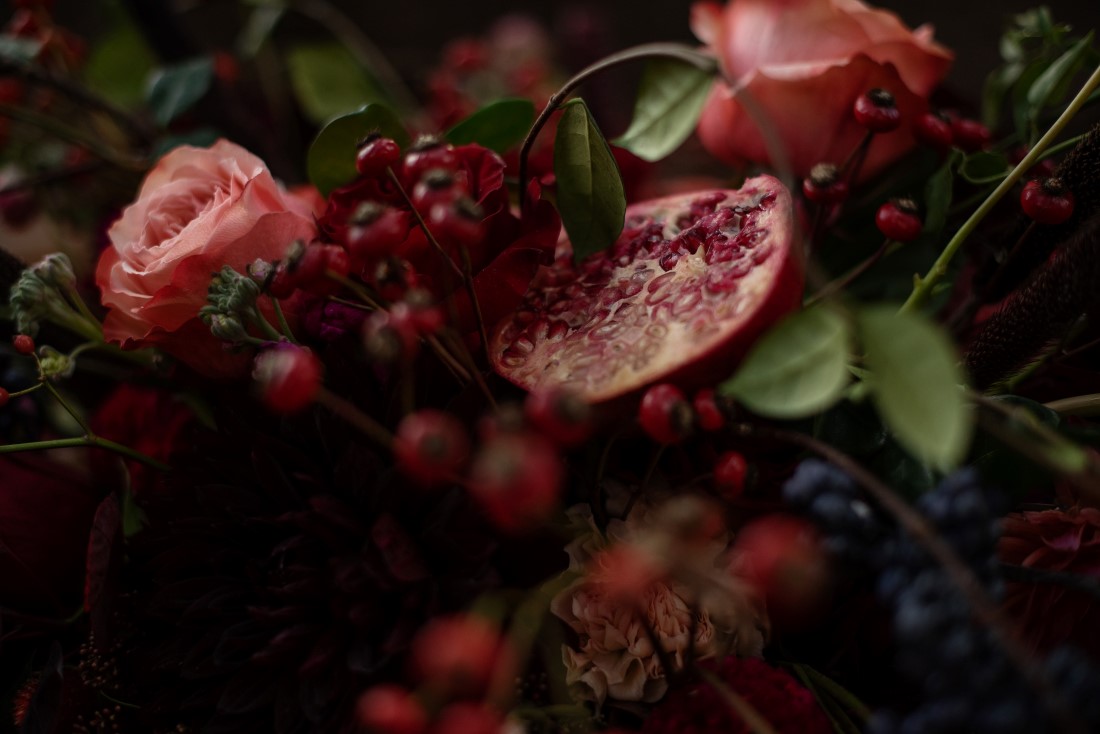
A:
(922, 288)
(350, 413)
(679, 52)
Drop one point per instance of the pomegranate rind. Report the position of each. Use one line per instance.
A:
(691, 283)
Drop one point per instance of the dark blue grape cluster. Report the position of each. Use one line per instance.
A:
(966, 683)
(853, 531)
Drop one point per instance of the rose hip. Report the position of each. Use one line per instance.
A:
(288, 377)
(898, 220)
(1047, 201)
(23, 344)
(431, 447)
(877, 111)
(730, 471)
(665, 414)
(390, 709)
(375, 155)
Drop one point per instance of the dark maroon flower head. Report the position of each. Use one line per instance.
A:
(698, 708)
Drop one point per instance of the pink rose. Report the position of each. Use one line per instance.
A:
(198, 209)
(805, 62)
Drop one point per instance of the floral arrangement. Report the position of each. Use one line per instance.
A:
(328, 406)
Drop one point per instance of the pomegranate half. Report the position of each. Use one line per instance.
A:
(691, 282)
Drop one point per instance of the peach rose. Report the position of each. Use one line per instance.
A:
(805, 62)
(615, 657)
(198, 209)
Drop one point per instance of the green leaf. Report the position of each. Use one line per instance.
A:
(261, 24)
(172, 90)
(331, 159)
(797, 369)
(670, 100)
(133, 517)
(327, 81)
(984, 167)
(1051, 86)
(997, 84)
(590, 190)
(498, 126)
(938, 193)
(915, 383)
(119, 65)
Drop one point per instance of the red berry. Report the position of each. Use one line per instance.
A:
(898, 220)
(460, 656)
(226, 69)
(313, 269)
(665, 414)
(424, 155)
(516, 478)
(390, 709)
(970, 135)
(391, 336)
(376, 230)
(375, 155)
(436, 187)
(824, 186)
(393, 277)
(5, 396)
(707, 413)
(23, 344)
(467, 718)
(457, 223)
(1047, 202)
(877, 111)
(560, 415)
(934, 131)
(431, 447)
(781, 556)
(289, 378)
(425, 315)
(729, 473)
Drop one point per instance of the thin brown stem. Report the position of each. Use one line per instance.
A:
(355, 417)
(471, 292)
(847, 279)
(457, 271)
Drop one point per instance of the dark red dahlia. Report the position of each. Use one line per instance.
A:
(697, 708)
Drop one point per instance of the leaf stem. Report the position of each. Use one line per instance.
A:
(677, 51)
(922, 288)
(283, 324)
(91, 441)
(845, 280)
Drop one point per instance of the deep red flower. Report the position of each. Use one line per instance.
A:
(700, 709)
(1054, 540)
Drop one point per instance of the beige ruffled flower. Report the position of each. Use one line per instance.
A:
(614, 656)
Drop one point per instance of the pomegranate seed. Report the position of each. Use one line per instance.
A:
(970, 135)
(729, 473)
(375, 155)
(289, 378)
(459, 656)
(823, 186)
(934, 131)
(665, 414)
(390, 709)
(431, 447)
(898, 220)
(707, 413)
(23, 344)
(877, 111)
(560, 415)
(1047, 201)
(5, 396)
(467, 718)
(516, 478)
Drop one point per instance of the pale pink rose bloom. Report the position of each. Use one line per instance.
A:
(198, 209)
(805, 62)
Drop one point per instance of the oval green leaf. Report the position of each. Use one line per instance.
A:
(172, 90)
(1051, 86)
(327, 80)
(670, 99)
(591, 199)
(331, 159)
(499, 126)
(984, 167)
(797, 369)
(916, 384)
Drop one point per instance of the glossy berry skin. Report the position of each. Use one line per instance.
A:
(431, 447)
(707, 413)
(5, 396)
(375, 155)
(456, 223)
(377, 233)
(664, 414)
(516, 478)
(730, 472)
(934, 131)
(423, 157)
(437, 187)
(877, 111)
(898, 221)
(390, 709)
(824, 185)
(289, 378)
(559, 415)
(23, 344)
(970, 135)
(1047, 202)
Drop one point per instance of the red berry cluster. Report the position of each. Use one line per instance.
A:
(667, 417)
(23, 345)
